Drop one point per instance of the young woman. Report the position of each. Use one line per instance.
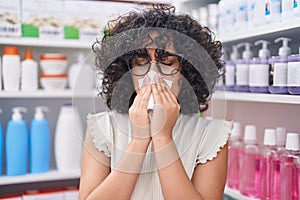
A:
(166, 151)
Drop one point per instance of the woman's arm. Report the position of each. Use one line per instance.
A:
(97, 181)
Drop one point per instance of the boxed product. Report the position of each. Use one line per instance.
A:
(43, 19)
(10, 18)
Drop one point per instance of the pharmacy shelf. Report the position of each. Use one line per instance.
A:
(276, 28)
(36, 42)
(256, 97)
(236, 194)
(49, 94)
(42, 177)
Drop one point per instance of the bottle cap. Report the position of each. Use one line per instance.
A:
(28, 55)
(39, 115)
(270, 137)
(250, 133)
(9, 50)
(280, 136)
(17, 116)
(247, 53)
(264, 52)
(236, 131)
(284, 50)
(292, 142)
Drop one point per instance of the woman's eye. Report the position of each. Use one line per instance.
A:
(168, 60)
(141, 61)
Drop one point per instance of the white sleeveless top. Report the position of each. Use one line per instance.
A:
(197, 140)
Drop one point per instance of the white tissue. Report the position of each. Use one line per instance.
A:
(151, 75)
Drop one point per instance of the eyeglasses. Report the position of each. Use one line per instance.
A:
(167, 64)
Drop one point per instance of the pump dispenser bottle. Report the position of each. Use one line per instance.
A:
(249, 184)
(242, 68)
(233, 157)
(267, 166)
(230, 69)
(39, 140)
(259, 69)
(290, 167)
(16, 144)
(279, 64)
(29, 73)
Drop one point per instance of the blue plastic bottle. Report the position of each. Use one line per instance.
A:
(16, 144)
(1, 147)
(39, 140)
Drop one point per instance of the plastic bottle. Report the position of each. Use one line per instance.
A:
(230, 70)
(290, 166)
(39, 140)
(279, 64)
(233, 157)
(249, 183)
(250, 13)
(287, 8)
(80, 75)
(29, 72)
(242, 68)
(280, 149)
(259, 13)
(16, 144)
(259, 69)
(68, 139)
(1, 146)
(11, 68)
(293, 74)
(240, 14)
(267, 165)
(275, 11)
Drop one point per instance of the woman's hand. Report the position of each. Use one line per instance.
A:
(138, 114)
(166, 109)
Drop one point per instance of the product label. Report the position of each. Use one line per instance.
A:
(229, 75)
(259, 75)
(10, 20)
(242, 72)
(293, 78)
(279, 74)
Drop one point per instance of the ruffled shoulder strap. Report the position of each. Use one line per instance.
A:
(100, 128)
(213, 139)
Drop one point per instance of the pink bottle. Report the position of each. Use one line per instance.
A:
(280, 143)
(267, 165)
(249, 184)
(290, 168)
(233, 157)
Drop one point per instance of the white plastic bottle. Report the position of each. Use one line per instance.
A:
(81, 75)
(230, 69)
(259, 12)
(275, 11)
(259, 69)
(11, 68)
(68, 139)
(279, 65)
(240, 14)
(287, 7)
(29, 72)
(242, 68)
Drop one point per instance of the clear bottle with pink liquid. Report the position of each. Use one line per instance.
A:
(280, 144)
(249, 184)
(290, 168)
(267, 165)
(233, 157)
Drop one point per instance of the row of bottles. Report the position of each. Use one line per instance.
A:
(265, 73)
(25, 74)
(244, 15)
(268, 172)
(35, 142)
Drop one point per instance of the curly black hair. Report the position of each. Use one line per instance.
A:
(200, 68)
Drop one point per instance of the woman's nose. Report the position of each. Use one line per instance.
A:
(153, 66)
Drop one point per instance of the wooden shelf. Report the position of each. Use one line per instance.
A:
(256, 97)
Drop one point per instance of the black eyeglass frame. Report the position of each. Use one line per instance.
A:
(180, 59)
